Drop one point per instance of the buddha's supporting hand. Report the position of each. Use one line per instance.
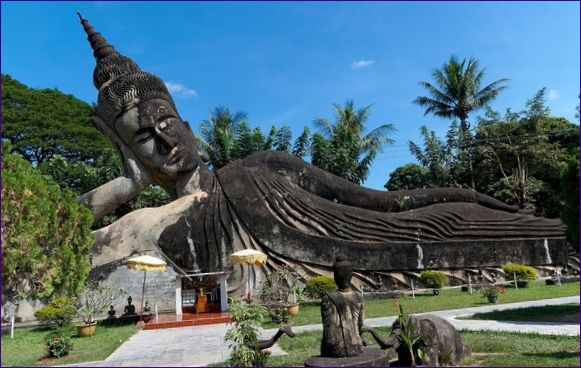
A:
(113, 194)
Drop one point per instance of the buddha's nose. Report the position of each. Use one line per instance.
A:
(165, 143)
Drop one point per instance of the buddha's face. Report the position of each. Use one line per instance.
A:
(156, 134)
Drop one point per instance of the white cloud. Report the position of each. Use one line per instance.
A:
(361, 64)
(553, 94)
(180, 90)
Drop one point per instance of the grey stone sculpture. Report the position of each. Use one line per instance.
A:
(342, 314)
(281, 205)
(439, 340)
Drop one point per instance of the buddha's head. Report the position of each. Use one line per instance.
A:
(342, 272)
(140, 110)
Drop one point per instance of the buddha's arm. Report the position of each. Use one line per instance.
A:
(110, 196)
(115, 193)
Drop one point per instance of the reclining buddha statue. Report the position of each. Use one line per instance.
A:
(294, 212)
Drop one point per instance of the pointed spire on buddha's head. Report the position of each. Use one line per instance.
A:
(120, 81)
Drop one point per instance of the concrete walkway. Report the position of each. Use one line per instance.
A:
(203, 345)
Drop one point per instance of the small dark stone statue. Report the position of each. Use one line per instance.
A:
(342, 314)
(111, 312)
(439, 340)
(129, 309)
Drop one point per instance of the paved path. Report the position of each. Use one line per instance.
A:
(203, 345)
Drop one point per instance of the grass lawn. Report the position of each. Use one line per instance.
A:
(28, 349)
(488, 349)
(448, 299)
(528, 314)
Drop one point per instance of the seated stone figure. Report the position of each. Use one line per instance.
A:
(277, 203)
(342, 315)
(129, 309)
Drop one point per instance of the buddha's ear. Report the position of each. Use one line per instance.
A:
(132, 166)
(188, 125)
(203, 155)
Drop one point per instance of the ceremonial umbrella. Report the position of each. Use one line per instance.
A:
(145, 263)
(249, 257)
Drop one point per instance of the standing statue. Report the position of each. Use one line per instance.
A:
(296, 213)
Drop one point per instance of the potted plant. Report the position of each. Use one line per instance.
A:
(295, 295)
(281, 289)
(93, 300)
(492, 292)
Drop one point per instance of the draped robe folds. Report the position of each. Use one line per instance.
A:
(300, 215)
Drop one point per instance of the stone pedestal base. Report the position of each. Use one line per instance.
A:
(370, 358)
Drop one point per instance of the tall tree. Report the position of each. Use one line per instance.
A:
(436, 156)
(342, 149)
(525, 151)
(41, 123)
(218, 135)
(408, 176)
(46, 235)
(457, 92)
(302, 144)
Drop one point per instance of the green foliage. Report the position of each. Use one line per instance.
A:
(522, 272)
(433, 279)
(408, 176)
(407, 338)
(570, 197)
(279, 315)
(58, 313)
(317, 286)
(42, 123)
(491, 291)
(58, 345)
(280, 286)
(46, 235)
(302, 144)
(227, 137)
(243, 335)
(457, 90)
(436, 156)
(342, 149)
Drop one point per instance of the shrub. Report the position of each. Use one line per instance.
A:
(522, 272)
(243, 335)
(491, 291)
(58, 345)
(57, 313)
(433, 280)
(279, 315)
(318, 285)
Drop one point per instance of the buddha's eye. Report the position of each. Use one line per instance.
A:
(144, 134)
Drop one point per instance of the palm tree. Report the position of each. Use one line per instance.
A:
(340, 147)
(457, 92)
(219, 135)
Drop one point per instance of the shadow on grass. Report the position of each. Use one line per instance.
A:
(554, 355)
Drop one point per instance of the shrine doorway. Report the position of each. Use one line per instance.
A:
(202, 293)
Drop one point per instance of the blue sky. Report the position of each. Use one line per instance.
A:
(286, 63)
